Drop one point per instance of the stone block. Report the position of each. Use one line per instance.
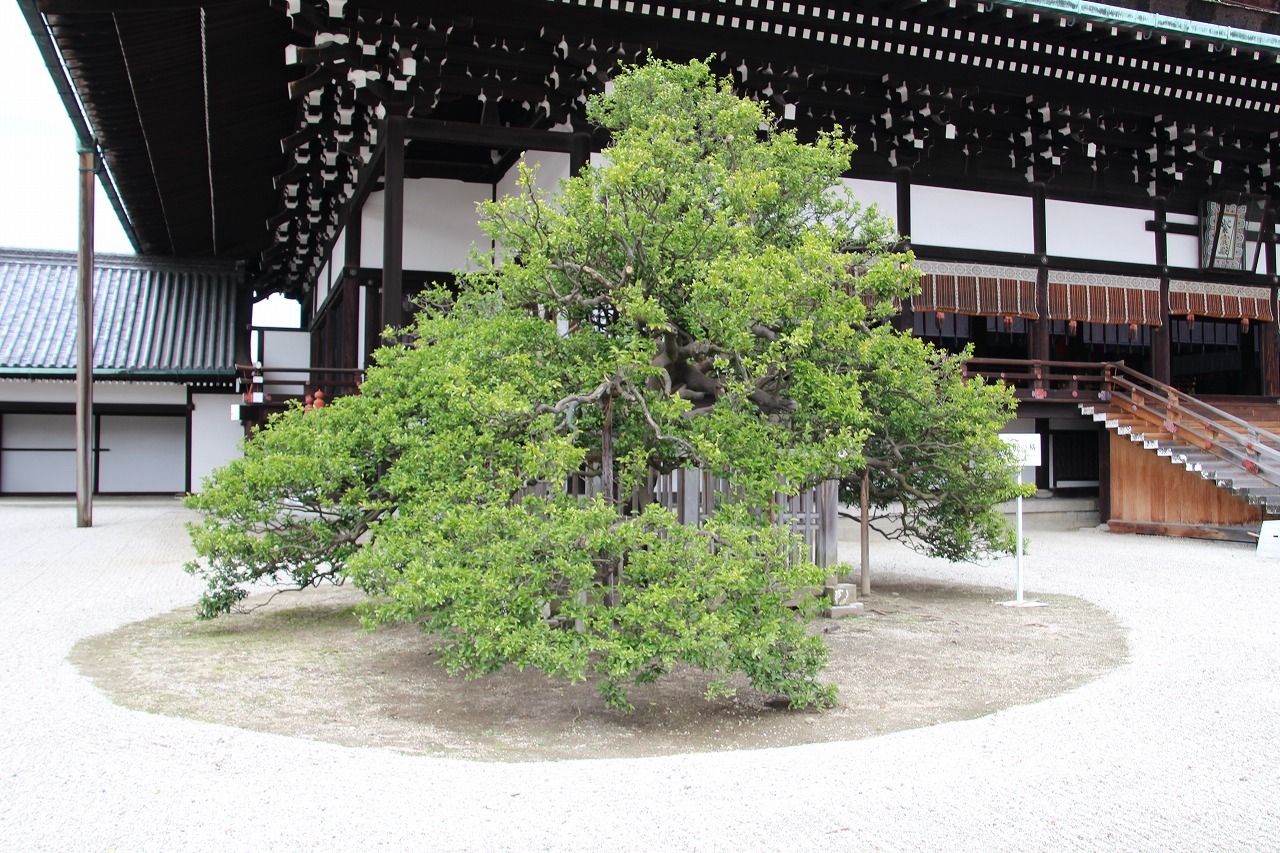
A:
(841, 594)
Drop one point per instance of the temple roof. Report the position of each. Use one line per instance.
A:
(152, 318)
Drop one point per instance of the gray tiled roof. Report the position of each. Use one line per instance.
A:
(150, 317)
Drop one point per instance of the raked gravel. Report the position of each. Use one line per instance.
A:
(1179, 749)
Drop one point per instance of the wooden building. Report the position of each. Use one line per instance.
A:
(1084, 184)
(164, 372)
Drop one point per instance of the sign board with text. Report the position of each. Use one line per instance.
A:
(1025, 446)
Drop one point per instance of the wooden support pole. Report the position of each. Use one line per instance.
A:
(864, 533)
(393, 224)
(1039, 336)
(1269, 352)
(84, 341)
(350, 356)
(579, 153)
(1161, 336)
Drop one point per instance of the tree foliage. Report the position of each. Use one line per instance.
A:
(936, 462)
(723, 307)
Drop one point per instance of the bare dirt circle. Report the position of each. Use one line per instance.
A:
(922, 654)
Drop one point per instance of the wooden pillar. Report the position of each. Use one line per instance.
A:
(85, 467)
(580, 153)
(904, 320)
(350, 356)
(864, 532)
(1039, 337)
(393, 224)
(244, 317)
(1162, 336)
(1269, 350)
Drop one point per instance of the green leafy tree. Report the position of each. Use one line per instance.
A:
(493, 482)
(937, 466)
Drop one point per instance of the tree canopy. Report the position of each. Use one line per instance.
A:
(704, 297)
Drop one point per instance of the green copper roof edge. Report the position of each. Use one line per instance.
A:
(1149, 20)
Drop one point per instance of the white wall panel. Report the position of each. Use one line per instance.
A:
(38, 454)
(286, 350)
(215, 437)
(361, 343)
(1184, 251)
(139, 453)
(971, 220)
(324, 282)
(440, 224)
(47, 391)
(1099, 232)
(339, 256)
(282, 348)
(37, 391)
(131, 392)
(883, 194)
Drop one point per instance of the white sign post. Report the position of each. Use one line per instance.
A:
(1026, 449)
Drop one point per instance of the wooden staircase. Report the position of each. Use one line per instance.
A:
(1234, 445)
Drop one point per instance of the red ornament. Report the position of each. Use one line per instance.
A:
(1244, 324)
(1072, 326)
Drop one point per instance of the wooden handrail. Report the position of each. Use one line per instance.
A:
(1149, 398)
(334, 380)
(1217, 413)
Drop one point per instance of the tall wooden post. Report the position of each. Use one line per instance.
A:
(84, 341)
(1269, 352)
(864, 532)
(1162, 335)
(1039, 337)
(393, 224)
(579, 153)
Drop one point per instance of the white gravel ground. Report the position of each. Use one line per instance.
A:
(1177, 750)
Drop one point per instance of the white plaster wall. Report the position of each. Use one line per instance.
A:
(338, 258)
(440, 224)
(38, 391)
(40, 473)
(1184, 251)
(883, 194)
(971, 220)
(141, 453)
(286, 350)
(324, 282)
(132, 392)
(360, 336)
(1099, 232)
(215, 435)
(64, 391)
(551, 167)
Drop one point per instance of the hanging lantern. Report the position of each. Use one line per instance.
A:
(1072, 326)
(1244, 325)
(1191, 321)
(1133, 331)
(940, 316)
(1008, 323)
